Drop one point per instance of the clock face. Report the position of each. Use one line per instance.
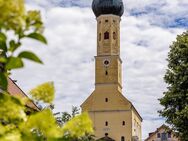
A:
(106, 63)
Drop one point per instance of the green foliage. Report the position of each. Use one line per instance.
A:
(79, 126)
(12, 14)
(44, 92)
(75, 111)
(175, 100)
(13, 111)
(65, 116)
(15, 122)
(23, 24)
(11, 115)
(76, 127)
(43, 125)
(3, 81)
(3, 39)
(14, 63)
(29, 55)
(38, 37)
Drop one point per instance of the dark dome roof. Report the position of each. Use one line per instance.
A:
(101, 7)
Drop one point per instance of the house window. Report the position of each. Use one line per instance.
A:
(163, 137)
(114, 35)
(158, 135)
(106, 134)
(169, 135)
(106, 35)
(106, 123)
(106, 21)
(123, 123)
(122, 138)
(106, 99)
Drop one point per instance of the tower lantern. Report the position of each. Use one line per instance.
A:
(114, 117)
(108, 14)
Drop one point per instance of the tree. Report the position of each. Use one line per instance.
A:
(15, 123)
(64, 117)
(175, 100)
(22, 24)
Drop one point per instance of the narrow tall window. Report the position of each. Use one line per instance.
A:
(106, 72)
(169, 135)
(99, 36)
(106, 123)
(122, 138)
(123, 123)
(106, 99)
(114, 35)
(106, 35)
(158, 135)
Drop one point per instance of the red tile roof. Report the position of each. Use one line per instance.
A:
(15, 90)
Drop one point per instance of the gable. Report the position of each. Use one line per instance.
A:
(97, 101)
(162, 129)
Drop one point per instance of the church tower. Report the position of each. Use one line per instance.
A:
(114, 117)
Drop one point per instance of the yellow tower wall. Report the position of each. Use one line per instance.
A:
(107, 103)
(115, 129)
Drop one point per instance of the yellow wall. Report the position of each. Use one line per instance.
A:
(97, 99)
(115, 111)
(115, 129)
(114, 70)
(108, 47)
(136, 124)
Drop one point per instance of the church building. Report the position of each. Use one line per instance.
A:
(114, 117)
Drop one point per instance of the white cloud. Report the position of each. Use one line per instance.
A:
(69, 61)
(166, 13)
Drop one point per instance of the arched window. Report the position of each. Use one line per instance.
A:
(106, 35)
(122, 138)
(106, 123)
(114, 35)
(99, 36)
(123, 123)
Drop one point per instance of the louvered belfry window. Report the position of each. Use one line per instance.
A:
(106, 35)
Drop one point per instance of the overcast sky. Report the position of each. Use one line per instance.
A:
(148, 27)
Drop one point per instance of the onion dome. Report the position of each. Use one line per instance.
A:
(101, 7)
